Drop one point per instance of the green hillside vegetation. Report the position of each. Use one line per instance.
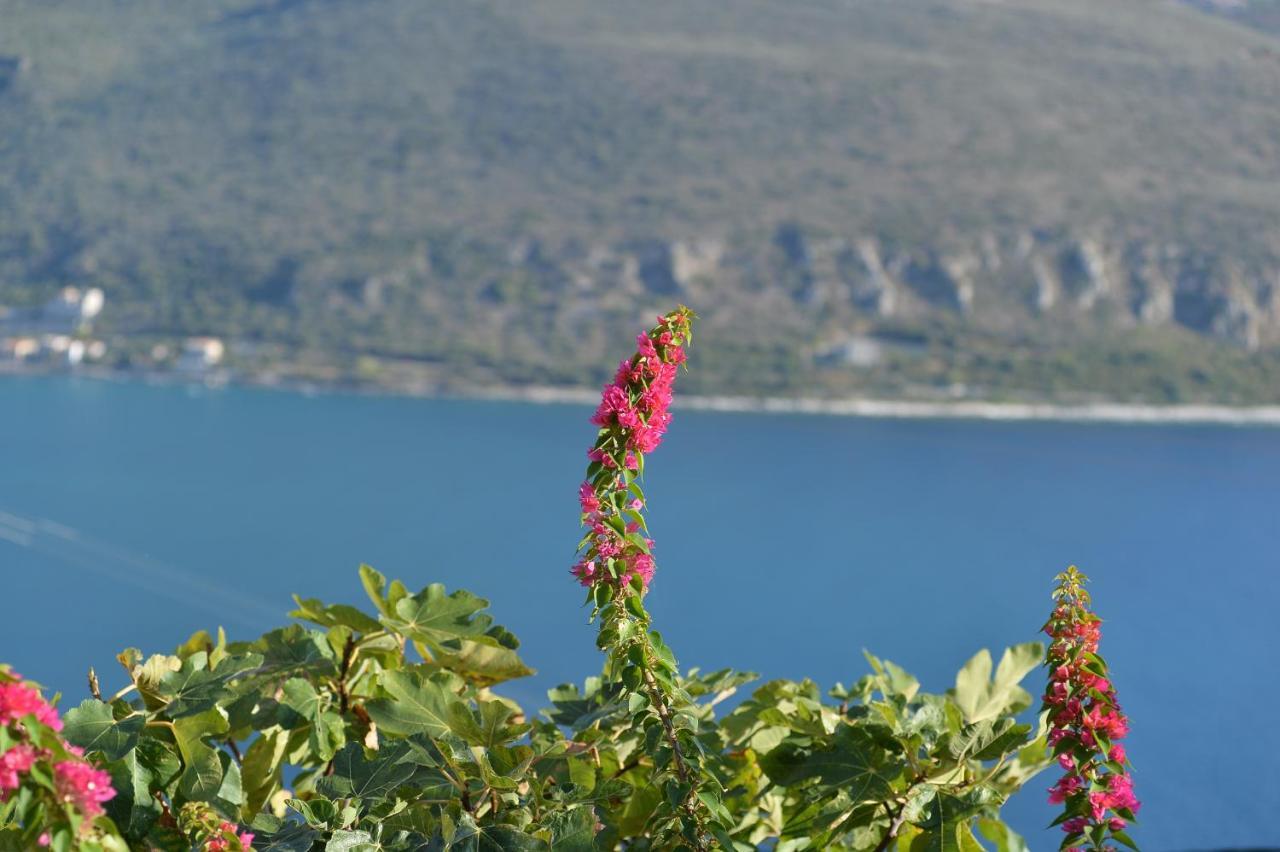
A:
(423, 195)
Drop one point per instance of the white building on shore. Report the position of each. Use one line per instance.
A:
(200, 354)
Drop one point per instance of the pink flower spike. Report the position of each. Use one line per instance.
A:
(633, 416)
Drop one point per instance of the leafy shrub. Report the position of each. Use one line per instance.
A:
(384, 728)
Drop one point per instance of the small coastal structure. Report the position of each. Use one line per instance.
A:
(200, 354)
(71, 311)
(19, 348)
(51, 349)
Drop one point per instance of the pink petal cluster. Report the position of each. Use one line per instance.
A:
(18, 700)
(1085, 720)
(637, 402)
(633, 416)
(14, 763)
(80, 784)
(229, 833)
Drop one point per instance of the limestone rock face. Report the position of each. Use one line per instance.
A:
(1048, 286)
(870, 286)
(944, 280)
(1083, 270)
(1152, 292)
(993, 280)
(695, 259)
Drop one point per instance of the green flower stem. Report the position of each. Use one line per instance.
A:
(635, 629)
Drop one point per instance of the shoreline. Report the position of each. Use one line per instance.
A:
(891, 409)
(861, 407)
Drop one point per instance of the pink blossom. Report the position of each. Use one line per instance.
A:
(633, 416)
(1089, 717)
(13, 763)
(587, 497)
(1066, 787)
(585, 571)
(220, 843)
(82, 785)
(18, 700)
(1075, 825)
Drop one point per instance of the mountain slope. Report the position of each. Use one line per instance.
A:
(1020, 196)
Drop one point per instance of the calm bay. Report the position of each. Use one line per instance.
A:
(132, 515)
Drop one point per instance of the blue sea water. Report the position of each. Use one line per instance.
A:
(136, 514)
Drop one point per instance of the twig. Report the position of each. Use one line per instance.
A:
(894, 828)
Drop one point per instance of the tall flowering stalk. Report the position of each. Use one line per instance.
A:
(633, 416)
(616, 565)
(1085, 725)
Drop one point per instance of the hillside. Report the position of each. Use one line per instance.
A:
(1262, 14)
(997, 198)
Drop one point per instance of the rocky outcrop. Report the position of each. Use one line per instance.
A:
(1023, 276)
(10, 68)
(870, 286)
(1083, 270)
(694, 259)
(1151, 301)
(1214, 298)
(942, 280)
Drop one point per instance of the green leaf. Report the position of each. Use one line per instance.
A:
(262, 770)
(582, 773)
(971, 684)
(290, 649)
(231, 792)
(93, 727)
(490, 729)
(416, 704)
(350, 841)
(852, 762)
(195, 688)
(416, 817)
(291, 837)
(301, 702)
(334, 615)
(318, 811)
(988, 740)
(483, 664)
(892, 679)
(375, 587)
(573, 831)
(133, 808)
(979, 698)
(471, 837)
(1004, 837)
(946, 825)
(354, 776)
(202, 769)
(438, 619)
